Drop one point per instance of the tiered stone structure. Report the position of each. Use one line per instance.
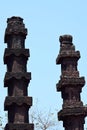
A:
(70, 84)
(17, 103)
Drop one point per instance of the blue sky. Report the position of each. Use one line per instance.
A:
(46, 21)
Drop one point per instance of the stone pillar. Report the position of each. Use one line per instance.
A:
(70, 84)
(17, 103)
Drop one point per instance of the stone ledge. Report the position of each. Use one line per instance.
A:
(70, 104)
(10, 75)
(74, 111)
(25, 126)
(74, 82)
(9, 101)
(15, 52)
(67, 54)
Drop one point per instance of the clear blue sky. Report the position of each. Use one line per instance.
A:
(46, 20)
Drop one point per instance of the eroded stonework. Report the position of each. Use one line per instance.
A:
(17, 103)
(70, 84)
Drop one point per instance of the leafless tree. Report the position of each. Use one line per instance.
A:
(3, 120)
(43, 120)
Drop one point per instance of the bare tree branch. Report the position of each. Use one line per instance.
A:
(43, 120)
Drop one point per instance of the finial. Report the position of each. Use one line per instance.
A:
(15, 26)
(14, 18)
(66, 39)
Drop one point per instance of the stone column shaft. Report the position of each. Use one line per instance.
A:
(70, 85)
(17, 103)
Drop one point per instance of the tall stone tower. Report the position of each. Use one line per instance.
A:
(70, 84)
(17, 103)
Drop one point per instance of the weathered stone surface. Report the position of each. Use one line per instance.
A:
(15, 27)
(66, 39)
(20, 101)
(19, 75)
(11, 53)
(15, 126)
(67, 54)
(17, 103)
(74, 111)
(70, 84)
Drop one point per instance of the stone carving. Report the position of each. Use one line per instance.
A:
(17, 103)
(70, 84)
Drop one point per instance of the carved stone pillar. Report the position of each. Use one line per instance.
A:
(70, 84)
(17, 103)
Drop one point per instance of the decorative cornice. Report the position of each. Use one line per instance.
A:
(9, 101)
(72, 104)
(67, 54)
(9, 76)
(15, 52)
(19, 75)
(25, 126)
(75, 111)
(66, 81)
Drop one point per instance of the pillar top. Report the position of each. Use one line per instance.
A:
(15, 26)
(13, 18)
(65, 39)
